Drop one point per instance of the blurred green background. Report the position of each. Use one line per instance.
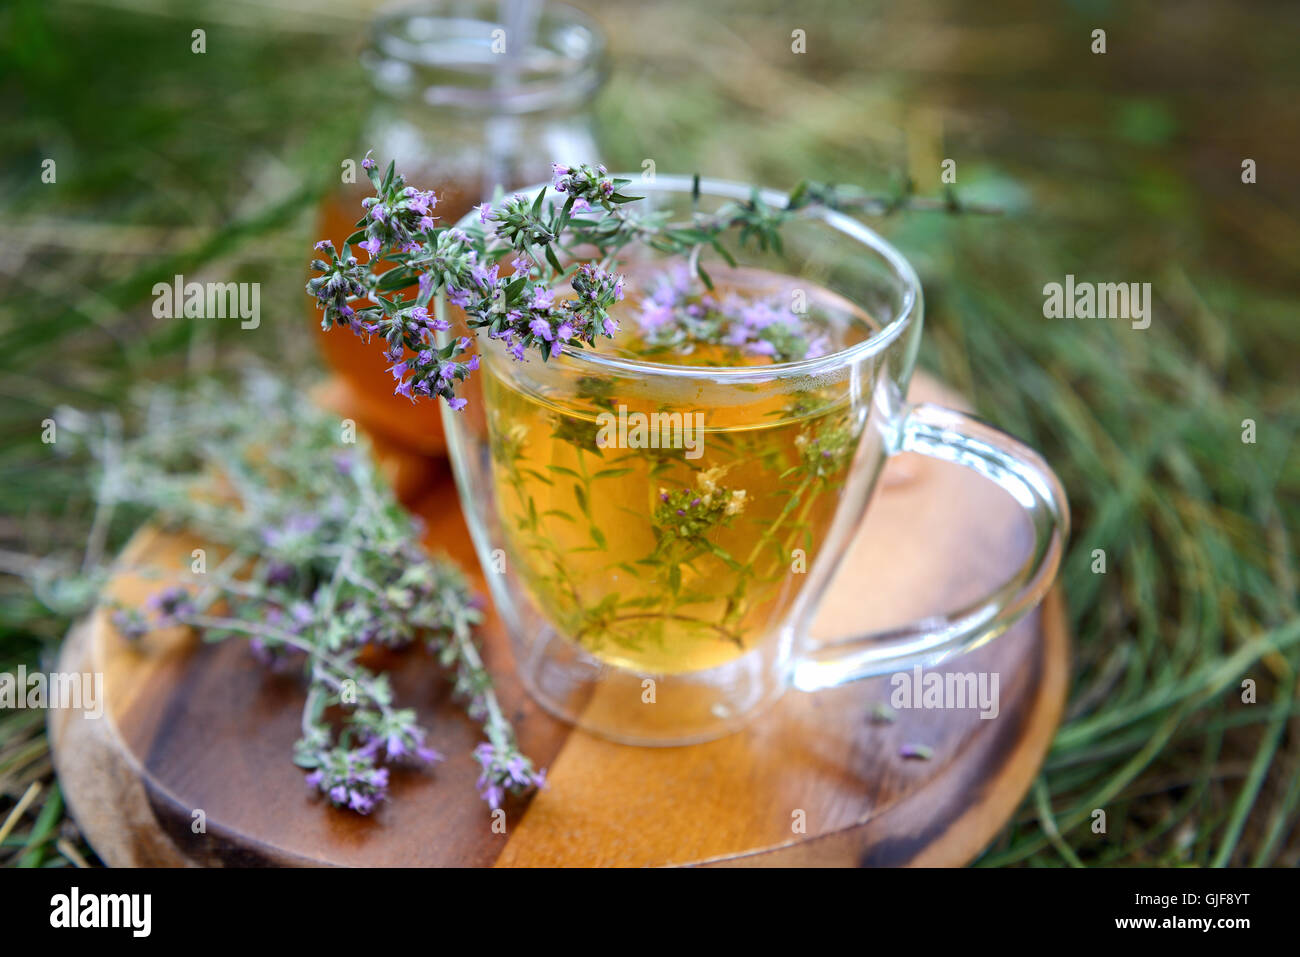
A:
(1122, 166)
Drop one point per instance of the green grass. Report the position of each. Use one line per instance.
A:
(1117, 167)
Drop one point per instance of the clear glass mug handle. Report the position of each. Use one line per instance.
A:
(952, 436)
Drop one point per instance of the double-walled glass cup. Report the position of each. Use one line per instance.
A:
(657, 536)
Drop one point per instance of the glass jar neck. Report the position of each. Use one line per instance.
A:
(486, 59)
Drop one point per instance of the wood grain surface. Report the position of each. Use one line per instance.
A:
(196, 731)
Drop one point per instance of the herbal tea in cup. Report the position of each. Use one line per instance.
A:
(663, 529)
(667, 407)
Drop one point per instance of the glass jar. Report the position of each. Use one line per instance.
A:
(471, 95)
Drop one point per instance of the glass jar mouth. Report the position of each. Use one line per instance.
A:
(468, 55)
(901, 271)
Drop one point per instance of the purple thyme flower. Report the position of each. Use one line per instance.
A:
(171, 605)
(485, 277)
(655, 316)
(130, 623)
(502, 771)
(586, 185)
(818, 347)
(278, 573)
(292, 530)
(422, 203)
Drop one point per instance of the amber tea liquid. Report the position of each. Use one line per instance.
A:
(652, 559)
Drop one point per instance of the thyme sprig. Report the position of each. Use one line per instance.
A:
(520, 308)
(320, 564)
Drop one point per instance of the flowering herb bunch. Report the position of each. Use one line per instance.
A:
(319, 565)
(541, 240)
(684, 516)
(520, 308)
(678, 309)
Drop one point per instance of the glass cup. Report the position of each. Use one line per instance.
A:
(657, 537)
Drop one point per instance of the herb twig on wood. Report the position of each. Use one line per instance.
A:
(321, 564)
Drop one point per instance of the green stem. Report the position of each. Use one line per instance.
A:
(747, 566)
(340, 665)
(659, 616)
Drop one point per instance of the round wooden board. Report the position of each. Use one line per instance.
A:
(192, 728)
